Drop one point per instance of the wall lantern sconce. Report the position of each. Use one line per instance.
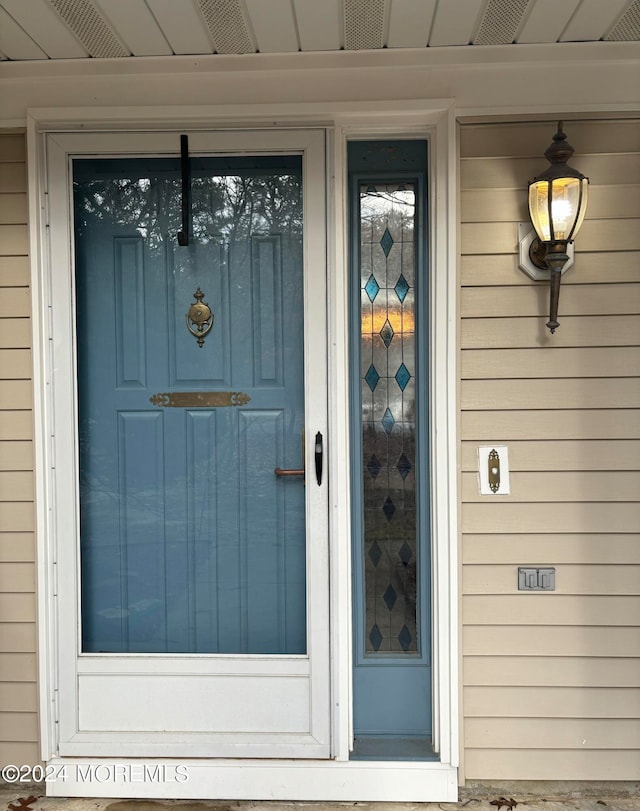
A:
(557, 205)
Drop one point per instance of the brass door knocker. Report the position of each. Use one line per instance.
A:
(199, 318)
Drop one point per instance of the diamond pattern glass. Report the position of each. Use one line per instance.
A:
(401, 288)
(388, 421)
(374, 466)
(375, 637)
(390, 597)
(386, 242)
(387, 250)
(404, 466)
(372, 288)
(375, 553)
(372, 377)
(402, 377)
(386, 333)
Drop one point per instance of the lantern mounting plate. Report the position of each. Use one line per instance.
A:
(526, 235)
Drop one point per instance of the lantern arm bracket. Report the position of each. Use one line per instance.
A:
(526, 238)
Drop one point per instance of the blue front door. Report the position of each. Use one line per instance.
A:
(203, 541)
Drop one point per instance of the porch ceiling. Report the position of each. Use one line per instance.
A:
(80, 29)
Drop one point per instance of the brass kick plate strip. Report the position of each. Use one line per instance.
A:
(199, 399)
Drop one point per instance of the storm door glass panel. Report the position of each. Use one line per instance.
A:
(387, 244)
(189, 541)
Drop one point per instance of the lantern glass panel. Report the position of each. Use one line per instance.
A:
(562, 220)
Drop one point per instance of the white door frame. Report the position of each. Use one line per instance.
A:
(107, 700)
(338, 779)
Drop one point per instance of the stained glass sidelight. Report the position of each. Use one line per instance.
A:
(387, 273)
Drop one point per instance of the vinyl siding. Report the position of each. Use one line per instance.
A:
(18, 691)
(551, 681)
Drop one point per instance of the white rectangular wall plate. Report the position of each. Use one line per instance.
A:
(493, 470)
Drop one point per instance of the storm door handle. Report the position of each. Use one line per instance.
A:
(319, 453)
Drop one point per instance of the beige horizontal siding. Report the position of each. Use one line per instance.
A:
(16, 425)
(508, 173)
(571, 702)
(479, 364)
(553, 733)
(553, 764)
(505, 516)
(501, 270)
(19, 576)
(16, 516)
(557, 609)
(538, 550)
(547, 640)
(14, 240)
(15, 332)
(18, 667)
(16, 485)
(594, 423)
(614, 454)
(576, 672)
(15, 364)
(19, 752)
(13, 209)
(18, 637)
(512, 140)
(14, 271)
(13, 148)
(586, 579)
(500, 205)
(18, 607)
(16, 455)
(493, 332)
(14, 302)
(570, 392)
(551, 679)
(18, 694)
(13, 178)
(19, 726)
(499, 237)
(17, 547)
(573, 486)
(15, 394)
(580, 300)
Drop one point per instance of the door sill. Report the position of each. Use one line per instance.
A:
(393, 748)
(244, 779)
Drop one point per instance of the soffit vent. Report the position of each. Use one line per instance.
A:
(500, 22)
(363, 24)
(90, 27)
(227, 26)
(628, 26)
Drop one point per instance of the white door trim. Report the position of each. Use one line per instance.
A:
(438, 126)
(422, 118)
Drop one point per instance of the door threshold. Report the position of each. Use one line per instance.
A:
(392, 748)
(251, 779)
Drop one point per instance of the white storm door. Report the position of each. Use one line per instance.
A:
(191, 506)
